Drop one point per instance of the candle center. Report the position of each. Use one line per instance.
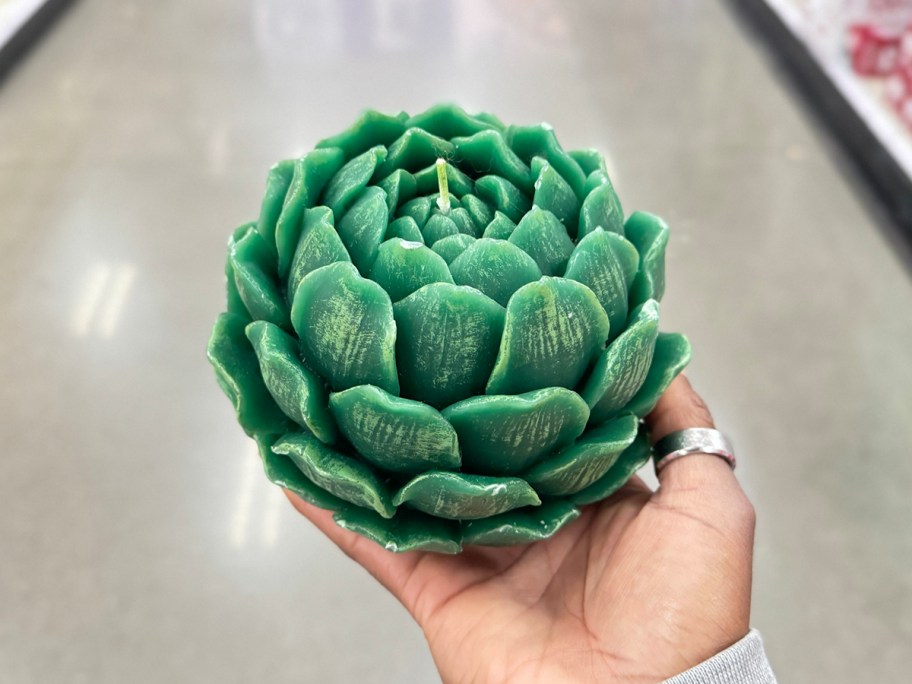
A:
(444, 200)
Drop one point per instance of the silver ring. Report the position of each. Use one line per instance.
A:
(693, 441)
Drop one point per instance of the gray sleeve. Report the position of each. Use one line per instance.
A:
(741, 663)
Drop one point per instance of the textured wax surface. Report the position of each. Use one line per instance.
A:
(441, 366)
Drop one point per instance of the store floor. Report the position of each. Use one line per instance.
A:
(138, 540)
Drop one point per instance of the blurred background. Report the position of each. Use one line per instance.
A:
(139, 540)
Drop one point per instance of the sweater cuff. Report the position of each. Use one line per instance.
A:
(744, 662)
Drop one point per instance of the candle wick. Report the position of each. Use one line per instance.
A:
(444, 200)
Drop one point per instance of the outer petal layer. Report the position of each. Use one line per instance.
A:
(504, 435)
(340, 475)
(396, 435)
(672, 353)
(621, 369)
(585, 461)
(649, 234)
(407, 531)
(633, 458)
(521, 526)
(457, 496)
(238, 374)
(296, 389)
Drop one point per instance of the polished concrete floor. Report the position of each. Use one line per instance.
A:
(138, 540)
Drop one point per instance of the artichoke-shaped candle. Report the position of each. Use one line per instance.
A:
(443, 329)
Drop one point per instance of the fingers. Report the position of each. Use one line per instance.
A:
(678, 409)
(390, 569)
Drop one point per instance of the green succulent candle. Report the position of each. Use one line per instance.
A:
(445, 330)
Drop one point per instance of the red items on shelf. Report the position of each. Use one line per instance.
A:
(898, 86)
(900, 98)
(880, 46)
(874, 49)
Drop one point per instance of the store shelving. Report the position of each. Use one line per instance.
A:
(21, 22)
(853, 106)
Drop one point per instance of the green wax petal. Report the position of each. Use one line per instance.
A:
(634, 458)
(544, 238)
(606, 263)
(463, 221)
(621, 369)
(282, 471)
(419, 209)
(596, 179)
(553, 330)
(400, 187)
(396, 435)
(585, 461)
(589, 160)
(254, 278)
(601, 209)
(491, 120)
(496, 267)
(457, 496)
(504, 435)
(277, 182)
(448, 121)
(235, 304)
(672, 354)
(540, 141)
(238, 374)
(487, 152)
(345, 324)
(406, 229)
(298, 392)
(480, 213)
(502, 195)
(447, 342)
(363, 227)
(458, 183)
(319, 245)
(500, 227)
(649, 234)
(414, 150)
(351, 179)
(371, 129)
(554, 194)
(402, 267)
(452, 246)
(311, 173)
(520, 526)
(408, 531)
(438, 227)
(340, 475)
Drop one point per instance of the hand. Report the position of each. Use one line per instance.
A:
(643, 586)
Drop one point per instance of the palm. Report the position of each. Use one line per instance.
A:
(642, 586)
(591, 602)
(516, 612)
